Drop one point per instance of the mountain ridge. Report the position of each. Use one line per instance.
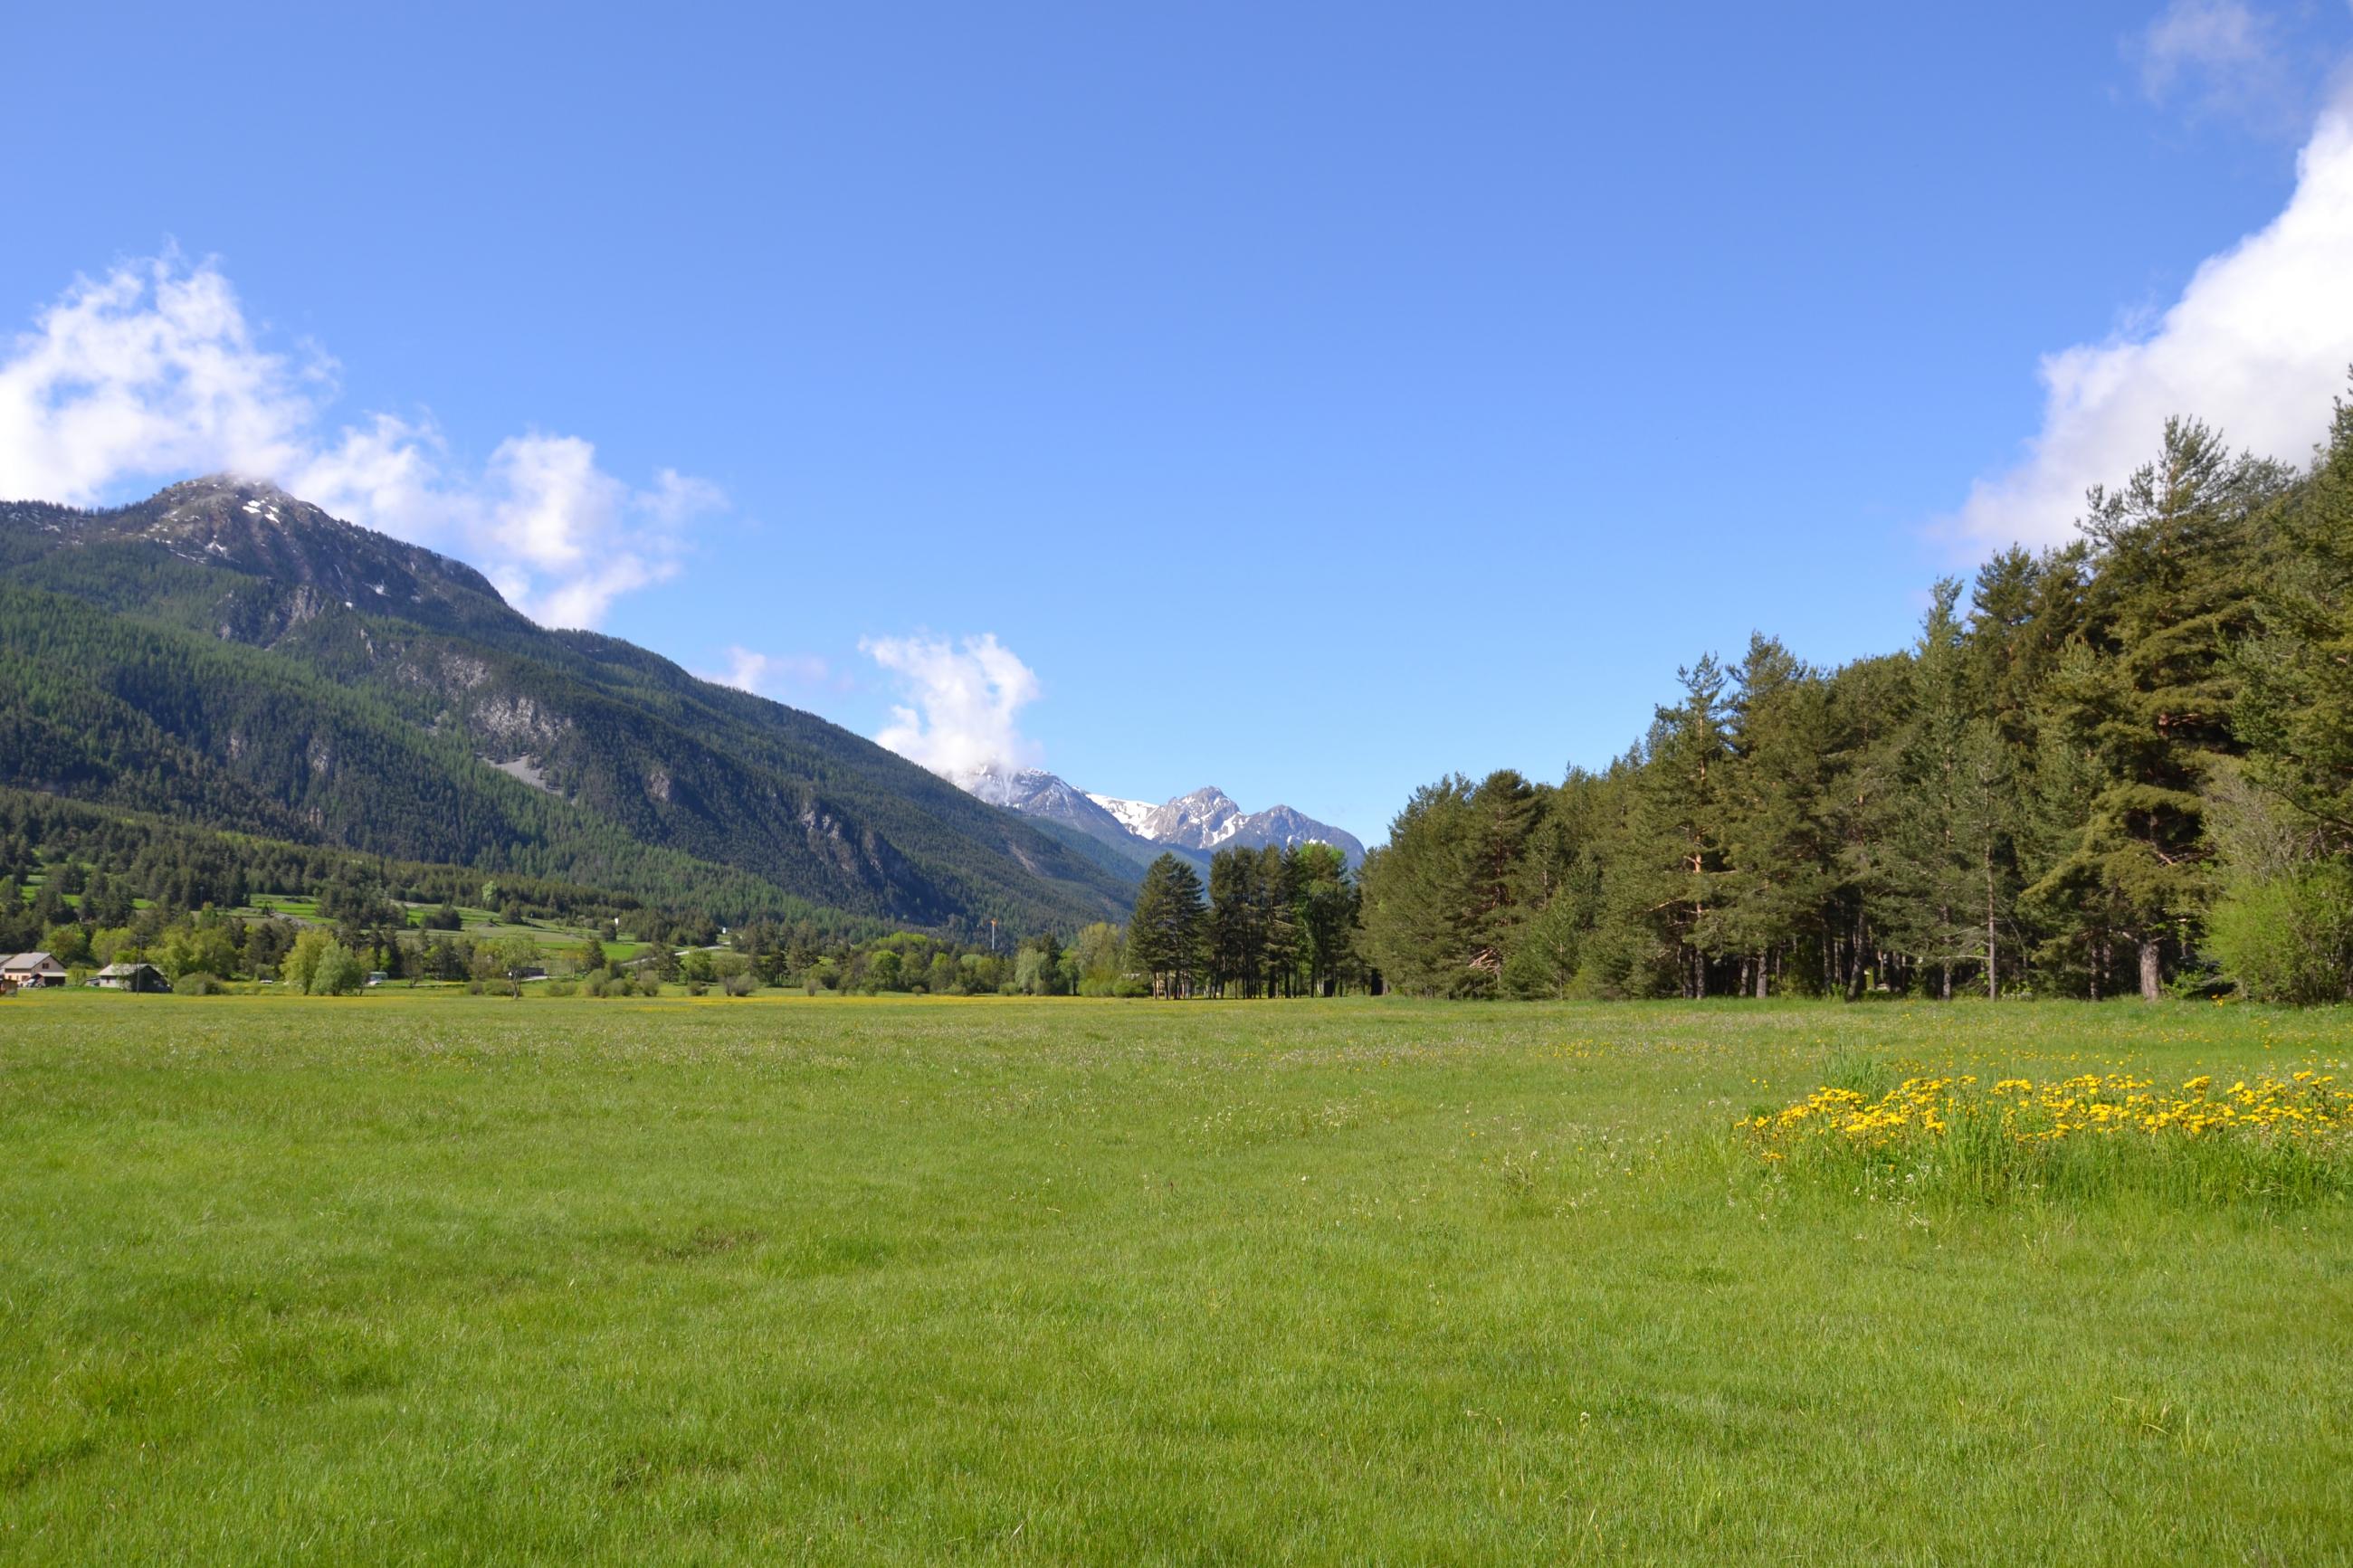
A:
(1197, 823)
(225, 651)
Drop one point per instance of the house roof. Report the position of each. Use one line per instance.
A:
(29, 961)
(122, 969)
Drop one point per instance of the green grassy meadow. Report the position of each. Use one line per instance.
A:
(435, 1278)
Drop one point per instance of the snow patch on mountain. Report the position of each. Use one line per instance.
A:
(1205, 821)
(1131, 815)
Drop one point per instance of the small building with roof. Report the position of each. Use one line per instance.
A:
(31, 970)
(143, 977)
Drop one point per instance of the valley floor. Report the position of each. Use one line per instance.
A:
(438, 1278)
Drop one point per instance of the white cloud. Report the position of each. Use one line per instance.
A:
(152, 373)
(2258, 345)
(150, 370)
(2225, 55)
(765, 674)
(963, 699)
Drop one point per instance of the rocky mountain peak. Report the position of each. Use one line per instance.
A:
(1205, 820)
(253, 528)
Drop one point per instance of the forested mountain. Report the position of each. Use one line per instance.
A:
(2120, 765)
(229, 656)
(118, 858)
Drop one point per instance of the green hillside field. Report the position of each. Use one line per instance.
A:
(437, 1279)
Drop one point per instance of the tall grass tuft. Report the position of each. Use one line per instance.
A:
(2272, 1141)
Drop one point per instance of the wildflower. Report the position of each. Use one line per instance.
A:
(2087, 1104)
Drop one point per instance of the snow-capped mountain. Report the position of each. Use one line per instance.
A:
(1034, 792)
(1281, 825)
(1208, 819)
(1202, 821)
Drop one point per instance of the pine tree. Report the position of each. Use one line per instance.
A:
(1237, 903)
(1494, 899)
(1779, 841)
(2174, 591)
(2296, 706)
(1278, 934)
(1933, 868)
(1983, 817)
(1413, 896)
(1678, 826)
(1164, 932)
(1324, 902)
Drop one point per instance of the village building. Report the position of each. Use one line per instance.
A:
(33, 969)
(131, 977)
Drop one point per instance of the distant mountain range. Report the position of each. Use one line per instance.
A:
(232, 658)
(1195, 826)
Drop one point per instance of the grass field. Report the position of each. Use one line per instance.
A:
(403, 1280)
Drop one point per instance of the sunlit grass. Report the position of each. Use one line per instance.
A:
(402, 1278)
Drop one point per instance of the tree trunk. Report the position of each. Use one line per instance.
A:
(1993, 970)
(1944, 923)
(1760, 977)
(2151, 974)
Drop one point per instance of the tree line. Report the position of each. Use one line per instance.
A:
(2123, 766)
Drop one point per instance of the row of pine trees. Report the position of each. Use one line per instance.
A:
(1275, 923)
(2124, 766)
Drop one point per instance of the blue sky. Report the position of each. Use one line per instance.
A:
(1308, 400)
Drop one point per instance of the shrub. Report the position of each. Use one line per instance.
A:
(742, 984)
(2288, 938)
(302, 960)
(196, 983)
(1031, 972)
(320, 966)
(338, 972)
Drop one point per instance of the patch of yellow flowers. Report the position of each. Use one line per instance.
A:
(2305, 1105)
